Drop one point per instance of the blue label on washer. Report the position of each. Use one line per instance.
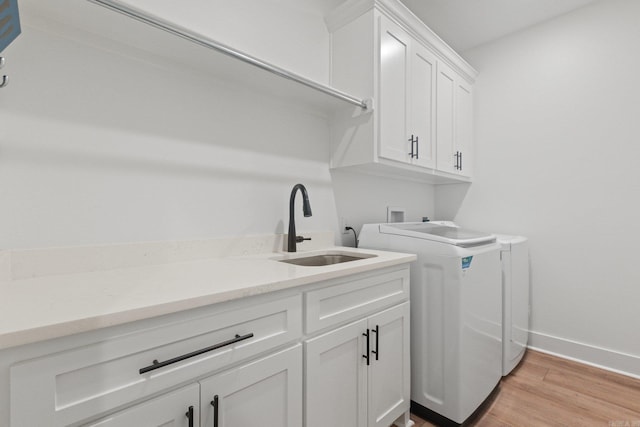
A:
(466, 262)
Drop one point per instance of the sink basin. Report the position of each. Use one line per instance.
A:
(326, 259)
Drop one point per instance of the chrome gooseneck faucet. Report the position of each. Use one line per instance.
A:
(306, 210)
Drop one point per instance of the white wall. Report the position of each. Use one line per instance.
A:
(363, 199)
(558, 132)
(103, 145)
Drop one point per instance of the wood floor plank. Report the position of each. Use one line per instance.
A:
(521, 407)
(575, 400)
(530, 370)
(591, 385)
(550, 391)
(550, 361)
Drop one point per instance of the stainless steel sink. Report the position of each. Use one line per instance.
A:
(325, 259)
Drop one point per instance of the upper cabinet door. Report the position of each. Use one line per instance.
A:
(445, 121)
(393, 102)
(454, 112)
(422, 119)
(464, 128)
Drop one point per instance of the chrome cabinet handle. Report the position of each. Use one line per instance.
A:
(157, 365)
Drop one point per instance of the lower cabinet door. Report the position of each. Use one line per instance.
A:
(336, 378)
(266, 393)
(176, 409)
(389, 372)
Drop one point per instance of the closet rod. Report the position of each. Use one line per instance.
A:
(210, 44)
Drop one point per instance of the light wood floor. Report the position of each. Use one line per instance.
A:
(548, 391)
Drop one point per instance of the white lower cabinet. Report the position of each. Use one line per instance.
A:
(389, 370)
(358, 375)
(233, 364)
(266, 393)
(336, 388)
(178, 408)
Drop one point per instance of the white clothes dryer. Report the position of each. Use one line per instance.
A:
(456, 313)
(516, 308)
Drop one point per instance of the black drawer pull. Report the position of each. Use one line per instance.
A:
(377, 331)
(157, 365)
(366, 356)
(189, 415)
(215, 403)
(412, 141)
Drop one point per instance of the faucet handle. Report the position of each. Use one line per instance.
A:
(299, 239)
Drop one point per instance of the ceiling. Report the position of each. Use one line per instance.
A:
(465, 24)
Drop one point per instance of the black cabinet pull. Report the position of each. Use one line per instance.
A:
(412, 141)
(366, 356)
(417, 147)
(461, 160)
(157, 365)
(214, 403)
(377, 351)
(189, 415)
(458, 157)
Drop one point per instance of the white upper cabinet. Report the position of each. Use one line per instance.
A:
(445, 119)
(406, 102)
(454, 123)
(423, 105)
(394, 91)
(464, 128)
(421, 89)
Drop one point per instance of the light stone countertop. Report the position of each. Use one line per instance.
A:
(42, 307)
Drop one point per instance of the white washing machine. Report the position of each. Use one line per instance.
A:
(456, 313)
(516, 308)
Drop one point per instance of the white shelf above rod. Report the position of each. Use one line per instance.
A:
(211, 44)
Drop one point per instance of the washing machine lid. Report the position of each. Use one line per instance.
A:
(439, 233)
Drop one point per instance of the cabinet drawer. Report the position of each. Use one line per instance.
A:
(348, 300)
(68, 387)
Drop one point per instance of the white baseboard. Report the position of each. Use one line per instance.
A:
(621, 363)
